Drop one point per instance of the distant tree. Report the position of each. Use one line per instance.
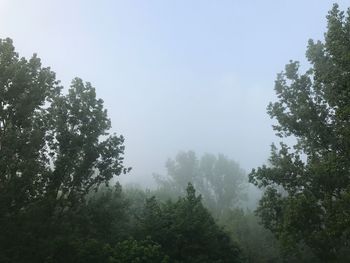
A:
(307, 196)
(258, 244)
(219, 180)
(54, 150)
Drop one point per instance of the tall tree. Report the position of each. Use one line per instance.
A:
(81, 160)
(307, 196)
(219, 180)
(25, 88)
(54, 149)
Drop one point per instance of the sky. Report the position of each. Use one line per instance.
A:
(175, 75)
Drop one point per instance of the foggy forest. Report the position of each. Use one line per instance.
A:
(196, 132)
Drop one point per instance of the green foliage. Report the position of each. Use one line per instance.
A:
(186, 231)
(258, 244)
(145, 251)
(55, 156)
(81, 159)
(54, 150)
(92, 250)
(25, 87)
(219, 180)
(308, 186)
(105, 216)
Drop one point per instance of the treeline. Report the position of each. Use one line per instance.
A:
(55, 157)
(56, 204)
(57, 160)
(225, 192)
(110, 227)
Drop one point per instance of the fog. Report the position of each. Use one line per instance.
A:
(174, 75)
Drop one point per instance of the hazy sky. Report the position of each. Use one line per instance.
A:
(174, 75)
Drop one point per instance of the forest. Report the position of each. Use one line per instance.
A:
(60, 199)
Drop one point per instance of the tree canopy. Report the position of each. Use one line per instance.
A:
(186, 230)
(57, 159)
(219, 180)
(54, 148)
(307, 186)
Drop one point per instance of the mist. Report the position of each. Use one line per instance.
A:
(187, 85)
(174, 75)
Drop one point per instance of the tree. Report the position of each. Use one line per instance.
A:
(81, 160)
(186, 230)
(307, 197)
(199, 238)
(133, 251)
(54, 150)
(218, 179)
(93, 250)
(258, 244)
(105, 216)
(25, 87)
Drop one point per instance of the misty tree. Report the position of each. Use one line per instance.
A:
(186, 230)
(307, 196)
(54, 149)
(25, 87)
(219, 180)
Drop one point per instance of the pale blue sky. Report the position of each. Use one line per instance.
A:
(174, 75)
